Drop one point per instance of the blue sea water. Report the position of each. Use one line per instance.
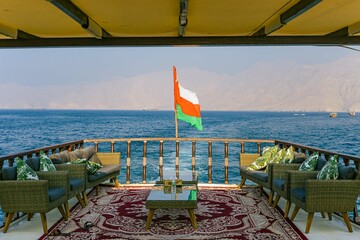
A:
(22, 130)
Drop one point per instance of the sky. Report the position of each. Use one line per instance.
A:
(49, 68)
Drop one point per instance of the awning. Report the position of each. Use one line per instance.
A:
(39, 23)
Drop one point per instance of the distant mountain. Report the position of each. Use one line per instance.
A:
(270, 86)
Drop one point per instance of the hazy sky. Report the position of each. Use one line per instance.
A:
(33, 68)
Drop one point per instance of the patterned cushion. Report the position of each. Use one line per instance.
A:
(310, 163)
(289, 155)
(24, 172)
(262, 161)
(46, 163)
(330, 170)
(91, 167)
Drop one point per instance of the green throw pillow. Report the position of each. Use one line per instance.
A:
(262, 161)
(289, 155)
(24, 172)
(45, 163)
(310, 163)
(91, 167)
(330, 170)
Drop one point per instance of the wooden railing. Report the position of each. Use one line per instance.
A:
(177, 141)
(50, 149)
(347, 159)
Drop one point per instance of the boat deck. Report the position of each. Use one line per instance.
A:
(321, 228)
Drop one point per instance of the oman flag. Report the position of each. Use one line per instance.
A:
(186, 104)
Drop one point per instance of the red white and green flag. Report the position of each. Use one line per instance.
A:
(187, 107)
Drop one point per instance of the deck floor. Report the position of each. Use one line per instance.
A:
(321, 228)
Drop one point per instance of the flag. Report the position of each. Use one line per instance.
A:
(186, 104)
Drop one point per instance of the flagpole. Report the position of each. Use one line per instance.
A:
(175, 110)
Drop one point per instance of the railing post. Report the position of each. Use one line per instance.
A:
(226, 164)
(177, 158)
(96, 146)
(144, 162)
(161, 159)
(128, 162)
(242, 147)
(193, 156)
(346, 161)
(259, 147)
(112, 149)
(210, 162)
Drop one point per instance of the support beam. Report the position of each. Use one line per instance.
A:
(183, 17)
(346, 31)
(15, 33)
(181, 41)
(293, 12)
(70, 9)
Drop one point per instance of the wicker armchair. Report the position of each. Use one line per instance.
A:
(313, 195)
(281, 180)
(109, 171)
(34, 196)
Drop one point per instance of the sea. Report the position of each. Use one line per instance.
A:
(22, 130)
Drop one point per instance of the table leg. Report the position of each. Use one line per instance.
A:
(149, 218)
(193, 218)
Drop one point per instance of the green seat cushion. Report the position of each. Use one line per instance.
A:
(346, 172)
(24, 172)
(55, 193)
(96, 176)
(310, 163)
(45, 163)
(9, 173)
(76, 183)
(330, 169)
(279, 183)
(299, 194)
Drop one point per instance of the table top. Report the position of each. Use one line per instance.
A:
(186, 197)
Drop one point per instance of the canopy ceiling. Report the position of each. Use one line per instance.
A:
(38, 23)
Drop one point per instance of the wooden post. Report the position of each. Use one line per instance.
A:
(193, 156)
(177, 157)
(210, 162)
(112, 146)
(242, 147)
(226, 164)
(161, 159)
(128, 162)
(144, 162)
(259, 147)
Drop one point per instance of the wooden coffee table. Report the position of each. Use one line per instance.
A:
(184, 199)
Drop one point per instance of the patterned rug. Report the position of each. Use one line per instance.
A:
(221, 214)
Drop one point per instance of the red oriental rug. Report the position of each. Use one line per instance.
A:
(221, 214)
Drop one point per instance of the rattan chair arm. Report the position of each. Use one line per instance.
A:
(24, 195)
(56, 178)
(75, 170)
(298, 178)
(280, 170)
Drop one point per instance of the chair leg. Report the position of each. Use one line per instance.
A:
(271, 196)
(116, 181)
(308, 222)
(97, 190)
(44, 222)
(85, 197)
(82, 204)
(295, 211)
(347, 221)
(330, 216)
(287, 208)
(323, 215)
(30, 215)
(67, 209)
(277, 198)
(8, 221)
(63, 213)
(242, 182)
